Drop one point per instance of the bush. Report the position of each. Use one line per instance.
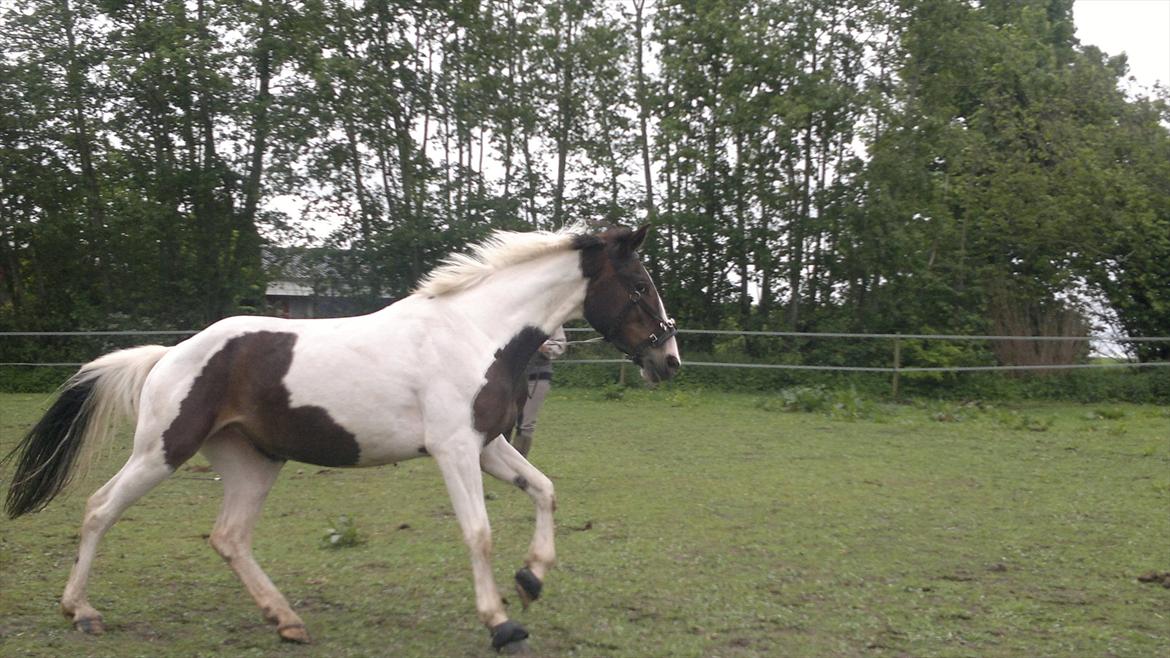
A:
(613, 392)
(26, 379)
(344, 534)
(817, 399)
(1150, 386)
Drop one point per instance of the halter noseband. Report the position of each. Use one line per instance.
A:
(666, 328)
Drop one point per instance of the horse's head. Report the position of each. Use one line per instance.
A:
(623, 305)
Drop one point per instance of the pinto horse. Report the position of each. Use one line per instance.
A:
(432, 375)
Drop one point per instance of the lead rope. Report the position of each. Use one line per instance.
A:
(585, 342)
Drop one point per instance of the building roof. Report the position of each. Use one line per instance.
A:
(309, 271)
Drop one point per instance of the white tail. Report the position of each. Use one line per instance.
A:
(118, 379)
(80, 420)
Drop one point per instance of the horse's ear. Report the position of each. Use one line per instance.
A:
(635, 240)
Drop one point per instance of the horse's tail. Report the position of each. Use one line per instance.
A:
(100, 393)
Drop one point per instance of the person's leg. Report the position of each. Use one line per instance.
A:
(537, 390)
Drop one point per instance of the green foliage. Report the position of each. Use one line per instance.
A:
(801, 398)
(816, 399)
(613, 392)
(23, 379)
(343, 534)
(1018, 421)
(684, 399)
(950, 412)
(1106, 414)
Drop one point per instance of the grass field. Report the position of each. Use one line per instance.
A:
(689, 524)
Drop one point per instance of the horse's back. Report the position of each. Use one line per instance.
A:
(317, 391)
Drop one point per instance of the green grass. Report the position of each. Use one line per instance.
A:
(689, 524)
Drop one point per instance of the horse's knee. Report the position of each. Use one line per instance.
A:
(479, 539)
(96, 499)
(224, 543)
(540, 488)
(549, 495)
(97, 518)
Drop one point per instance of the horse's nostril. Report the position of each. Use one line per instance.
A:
(672, 362)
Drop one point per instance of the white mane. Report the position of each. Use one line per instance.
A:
(501, 249)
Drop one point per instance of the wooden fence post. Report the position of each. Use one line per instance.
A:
(897, 366)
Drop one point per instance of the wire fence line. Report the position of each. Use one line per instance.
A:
(1107, 338)
(896, 368)
(890, 369)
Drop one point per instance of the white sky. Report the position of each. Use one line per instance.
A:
(1139, 28)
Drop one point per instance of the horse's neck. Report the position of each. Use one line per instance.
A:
(542, 293)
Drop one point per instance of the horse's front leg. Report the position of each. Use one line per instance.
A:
(459, 462)
(503, 461)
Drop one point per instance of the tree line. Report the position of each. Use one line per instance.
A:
(951, 166)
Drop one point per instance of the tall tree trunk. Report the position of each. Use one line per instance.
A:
(671, 197)
(510, 101)
(614, 211)
(198, 133)
(709, 189)
(530, 181)
(247, 251)
(741, 237)
(409, 184)
(260, 116)
(643, 114)
(445, 113)
(10, 274)
(423, 158)
(83, 142)
(366, 214)
(564, 116)
(764, 259)
(797, 231)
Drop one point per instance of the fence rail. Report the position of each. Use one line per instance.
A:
(1105, 338)
(891, 369)
(896, 369)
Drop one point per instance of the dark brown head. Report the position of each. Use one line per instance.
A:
(623, 305)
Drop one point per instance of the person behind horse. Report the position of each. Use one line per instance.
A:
(532, 397)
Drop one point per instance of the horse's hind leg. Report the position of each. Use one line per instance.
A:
(247, 477)
(502, 460)
(141, 473)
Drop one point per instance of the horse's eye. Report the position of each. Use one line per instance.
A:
(640, 288)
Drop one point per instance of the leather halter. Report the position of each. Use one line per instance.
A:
(666, 329)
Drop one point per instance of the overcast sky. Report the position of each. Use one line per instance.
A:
(1140, 28)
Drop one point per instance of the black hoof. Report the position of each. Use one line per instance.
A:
(506, 634)
(529, 585)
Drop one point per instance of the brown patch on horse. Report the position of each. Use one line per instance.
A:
(494, 408)
(242, 385)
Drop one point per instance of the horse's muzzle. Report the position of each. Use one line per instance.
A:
(659, 365)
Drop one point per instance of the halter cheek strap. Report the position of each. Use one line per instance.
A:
(666, 328)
